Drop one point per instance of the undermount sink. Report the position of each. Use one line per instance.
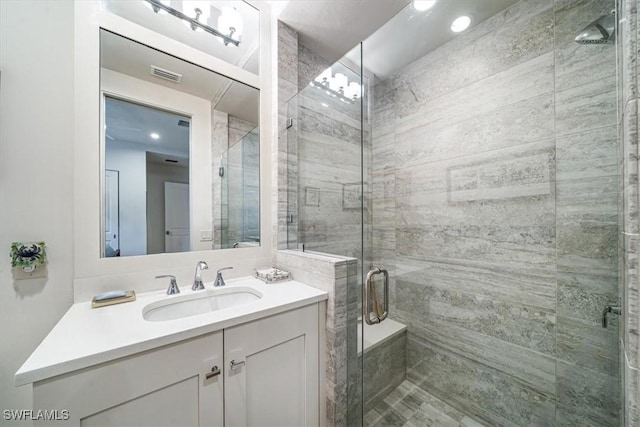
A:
(199, 302)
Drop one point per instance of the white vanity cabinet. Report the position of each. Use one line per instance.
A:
(163, 387)
(272, 371)
(275, 380)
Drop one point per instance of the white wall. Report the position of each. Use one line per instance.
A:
(36, 177)
(131, 163)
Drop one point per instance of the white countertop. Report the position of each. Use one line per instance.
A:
(85, 337)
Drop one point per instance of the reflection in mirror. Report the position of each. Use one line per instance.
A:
(240, 179)
(180, 154)
(148, 149)
(196, 23)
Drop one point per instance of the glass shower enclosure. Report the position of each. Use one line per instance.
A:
(475, 179)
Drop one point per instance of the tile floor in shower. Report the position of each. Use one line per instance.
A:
(410, 406)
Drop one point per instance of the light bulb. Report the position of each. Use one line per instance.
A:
(422, 5)
(353, 91)
(230, 23)
(197, 10)
(341, 82)
(324, 76)
(460, 24)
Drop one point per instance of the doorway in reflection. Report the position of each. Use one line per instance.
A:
(147, 179)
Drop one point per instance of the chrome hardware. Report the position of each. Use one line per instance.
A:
(173, 285)
(219, 280)
(215, 371)
(235, 364)
(197, 280)
(371, 305)
(609, 308)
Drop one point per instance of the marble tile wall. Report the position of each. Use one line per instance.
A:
(336, 276)
(384, 370)
(495, 210)
(629, 215)
(285, 153)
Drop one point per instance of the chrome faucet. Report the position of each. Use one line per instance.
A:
(219, 280)
(197, 280)
(173, 285)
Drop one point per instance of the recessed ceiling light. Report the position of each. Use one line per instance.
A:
(461, 23)
(154, 135)
(422, 5)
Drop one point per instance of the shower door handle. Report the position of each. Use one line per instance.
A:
(371, 306)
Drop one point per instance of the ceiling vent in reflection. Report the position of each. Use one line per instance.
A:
(166, 74)
(183, 123)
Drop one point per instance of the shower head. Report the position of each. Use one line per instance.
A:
(600, 31)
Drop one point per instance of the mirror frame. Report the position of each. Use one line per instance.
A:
(89, 18)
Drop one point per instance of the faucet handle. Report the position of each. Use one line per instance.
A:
(219, 280)
(173, 285)
(197, 280)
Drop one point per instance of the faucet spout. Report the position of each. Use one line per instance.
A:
(197, 280)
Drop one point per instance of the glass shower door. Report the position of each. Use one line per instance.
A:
(325, 208)
(492, 202)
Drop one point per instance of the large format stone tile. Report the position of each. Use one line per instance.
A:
(527, 248)
(592, 201)
(587, 344)
(589, 249)
(478, 390)
(586, 397)
(587, 154)
(592, 105)
(519, 171)
(584, 296)
(528, 80)
(527, 366)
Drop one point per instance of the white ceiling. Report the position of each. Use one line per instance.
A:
(133, 123)
(394, 33)
(411, 34)
(331, 27)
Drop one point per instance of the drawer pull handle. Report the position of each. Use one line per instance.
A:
(215, 371)
(235, 364)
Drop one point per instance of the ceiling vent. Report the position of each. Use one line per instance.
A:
(166, 74)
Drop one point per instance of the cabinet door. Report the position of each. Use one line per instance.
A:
(274, 378)
(163, 387)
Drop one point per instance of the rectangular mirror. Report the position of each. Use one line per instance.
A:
(180, 154)
(225, 29)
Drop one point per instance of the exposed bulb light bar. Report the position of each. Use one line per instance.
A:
(194, 23)
(337, 86)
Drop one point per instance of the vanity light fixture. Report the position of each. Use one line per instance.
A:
(423, 5)
(460, 24)
(232, 20)
(154, 135)
(337, 86)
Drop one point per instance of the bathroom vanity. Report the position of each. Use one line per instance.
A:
(255, 363)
